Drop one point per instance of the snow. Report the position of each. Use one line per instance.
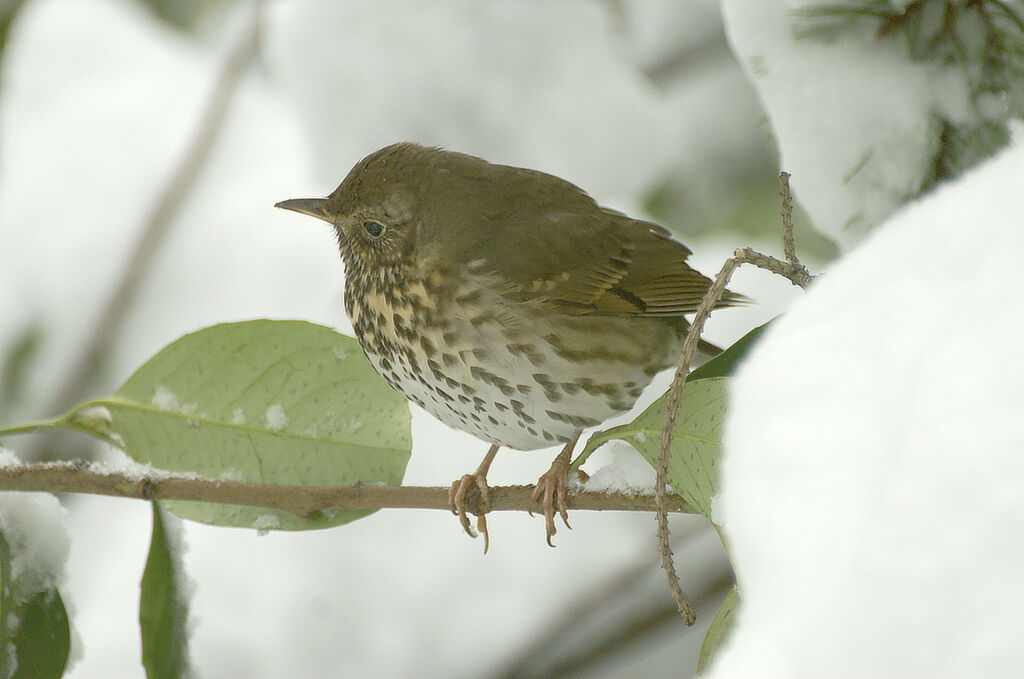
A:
(177, 544)
(871, 486)
(857, 122)
(231, 474)
(35, 526)
(117, 462)
(265, 522)
(164, 399)
(276, 418)
(626, 472)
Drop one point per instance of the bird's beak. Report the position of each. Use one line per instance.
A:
(314, 207)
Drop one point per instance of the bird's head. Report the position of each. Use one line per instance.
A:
(373, 209)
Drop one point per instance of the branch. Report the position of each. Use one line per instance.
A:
(798, 274)
(788, 243)
(75, 477)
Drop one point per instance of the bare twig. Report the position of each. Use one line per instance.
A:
(798, 275)
(74, 477)
(96, 352)
(788, 243)
(713, 295)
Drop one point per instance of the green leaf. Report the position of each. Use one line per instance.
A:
(35, 634)
(696, 444)
(725, 363)
(285, 402)
(719, 629)
(43, 638)
(163, 613)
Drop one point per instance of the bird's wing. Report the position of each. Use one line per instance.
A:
(551, 243)
(602, 263)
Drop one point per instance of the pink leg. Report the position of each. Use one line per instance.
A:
(551, 487)
(457, 496)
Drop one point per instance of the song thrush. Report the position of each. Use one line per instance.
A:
(505, 301)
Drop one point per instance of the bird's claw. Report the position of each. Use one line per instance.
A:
(457, 505)
(550, 494)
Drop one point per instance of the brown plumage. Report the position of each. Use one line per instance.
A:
(506, 301)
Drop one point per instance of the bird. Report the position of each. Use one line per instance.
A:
(506, 302)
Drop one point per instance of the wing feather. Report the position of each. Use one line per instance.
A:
(552, 244)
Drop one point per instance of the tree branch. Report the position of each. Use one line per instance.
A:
(788, 243)
(797, 274)
(76, 477)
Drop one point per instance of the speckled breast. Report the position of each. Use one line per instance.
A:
(509, 373)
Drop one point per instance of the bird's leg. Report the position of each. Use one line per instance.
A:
(457, 496)
(551, 487)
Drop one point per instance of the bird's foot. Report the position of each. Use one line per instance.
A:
(551, 490)
(457, 503)
(457, 497)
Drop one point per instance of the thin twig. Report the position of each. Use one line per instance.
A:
(96, 354)
(799, 275)
(796, 273)
(76, 477)
(713, 295)
(788, 243)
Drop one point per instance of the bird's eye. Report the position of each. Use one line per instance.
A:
(373, 228)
